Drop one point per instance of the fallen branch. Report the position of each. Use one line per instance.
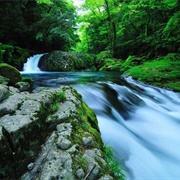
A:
(90, 172)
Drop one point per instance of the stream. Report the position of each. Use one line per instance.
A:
(141, 122)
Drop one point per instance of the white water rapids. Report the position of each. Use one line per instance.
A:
(142, 126)
(31, 66)
(141, 122)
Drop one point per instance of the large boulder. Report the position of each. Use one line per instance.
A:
(57, 61)
(50, 134)
(22, 86)
(4, 80)
(11, 73)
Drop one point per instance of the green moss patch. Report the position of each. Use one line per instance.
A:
(163, 71)
(132, 61)
(10, 72)
(111, 64)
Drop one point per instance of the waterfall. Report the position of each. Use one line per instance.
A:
(31, 66)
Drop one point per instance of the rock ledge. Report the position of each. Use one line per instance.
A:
(49, 134)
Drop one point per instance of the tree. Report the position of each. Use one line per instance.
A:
(131, 27)
(101, 27)
(42, 26)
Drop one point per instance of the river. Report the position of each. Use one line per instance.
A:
(141, 122)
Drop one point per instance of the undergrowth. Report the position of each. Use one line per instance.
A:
(114, 164)
(163, 71)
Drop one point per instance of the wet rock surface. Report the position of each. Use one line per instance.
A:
(45, 136)
(57, 61)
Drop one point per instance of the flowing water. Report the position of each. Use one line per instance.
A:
(31, 66)
(141, 122)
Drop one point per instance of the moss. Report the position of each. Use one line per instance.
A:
(175, 85)
(54, 107)
(86, 125)
(111, 64)
(132, 61)
(27, 79)
(61, 96)
(10, 72)
(30, 81)
(91, 117)
(163, 71)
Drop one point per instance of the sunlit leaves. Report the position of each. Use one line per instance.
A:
(173, 25)
(141, 26)
(170, 3)
(44, 1)
(39, 36)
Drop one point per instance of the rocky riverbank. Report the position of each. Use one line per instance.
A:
(49, 134)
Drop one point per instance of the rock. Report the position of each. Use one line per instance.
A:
(64, 129)
(106, 177)
(92, 156)
(30, 166)
(88, 142)
(6, 156)
(13, 90)
(29, 82)
(57, 61)
(11, 73)
(10, 105)
(36, 144)
(4, 93)
(22, 86)
(58, 165)
(4, 80)
(23, 116)
(80, 173)
(63, 143)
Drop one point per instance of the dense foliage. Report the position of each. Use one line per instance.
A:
(41, 25)
(13, 55)
(122, 35)
(130, 27)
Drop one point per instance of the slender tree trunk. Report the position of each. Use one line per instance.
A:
(87, 42)
(112, 29)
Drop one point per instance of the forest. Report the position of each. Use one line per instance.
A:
(128, 36)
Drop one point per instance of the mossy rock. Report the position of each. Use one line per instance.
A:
(59, 61)
(11, 73)
(4, 80)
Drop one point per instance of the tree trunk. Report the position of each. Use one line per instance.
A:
(112, 29)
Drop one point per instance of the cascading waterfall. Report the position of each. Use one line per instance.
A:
(31, 66)
(142, 123)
